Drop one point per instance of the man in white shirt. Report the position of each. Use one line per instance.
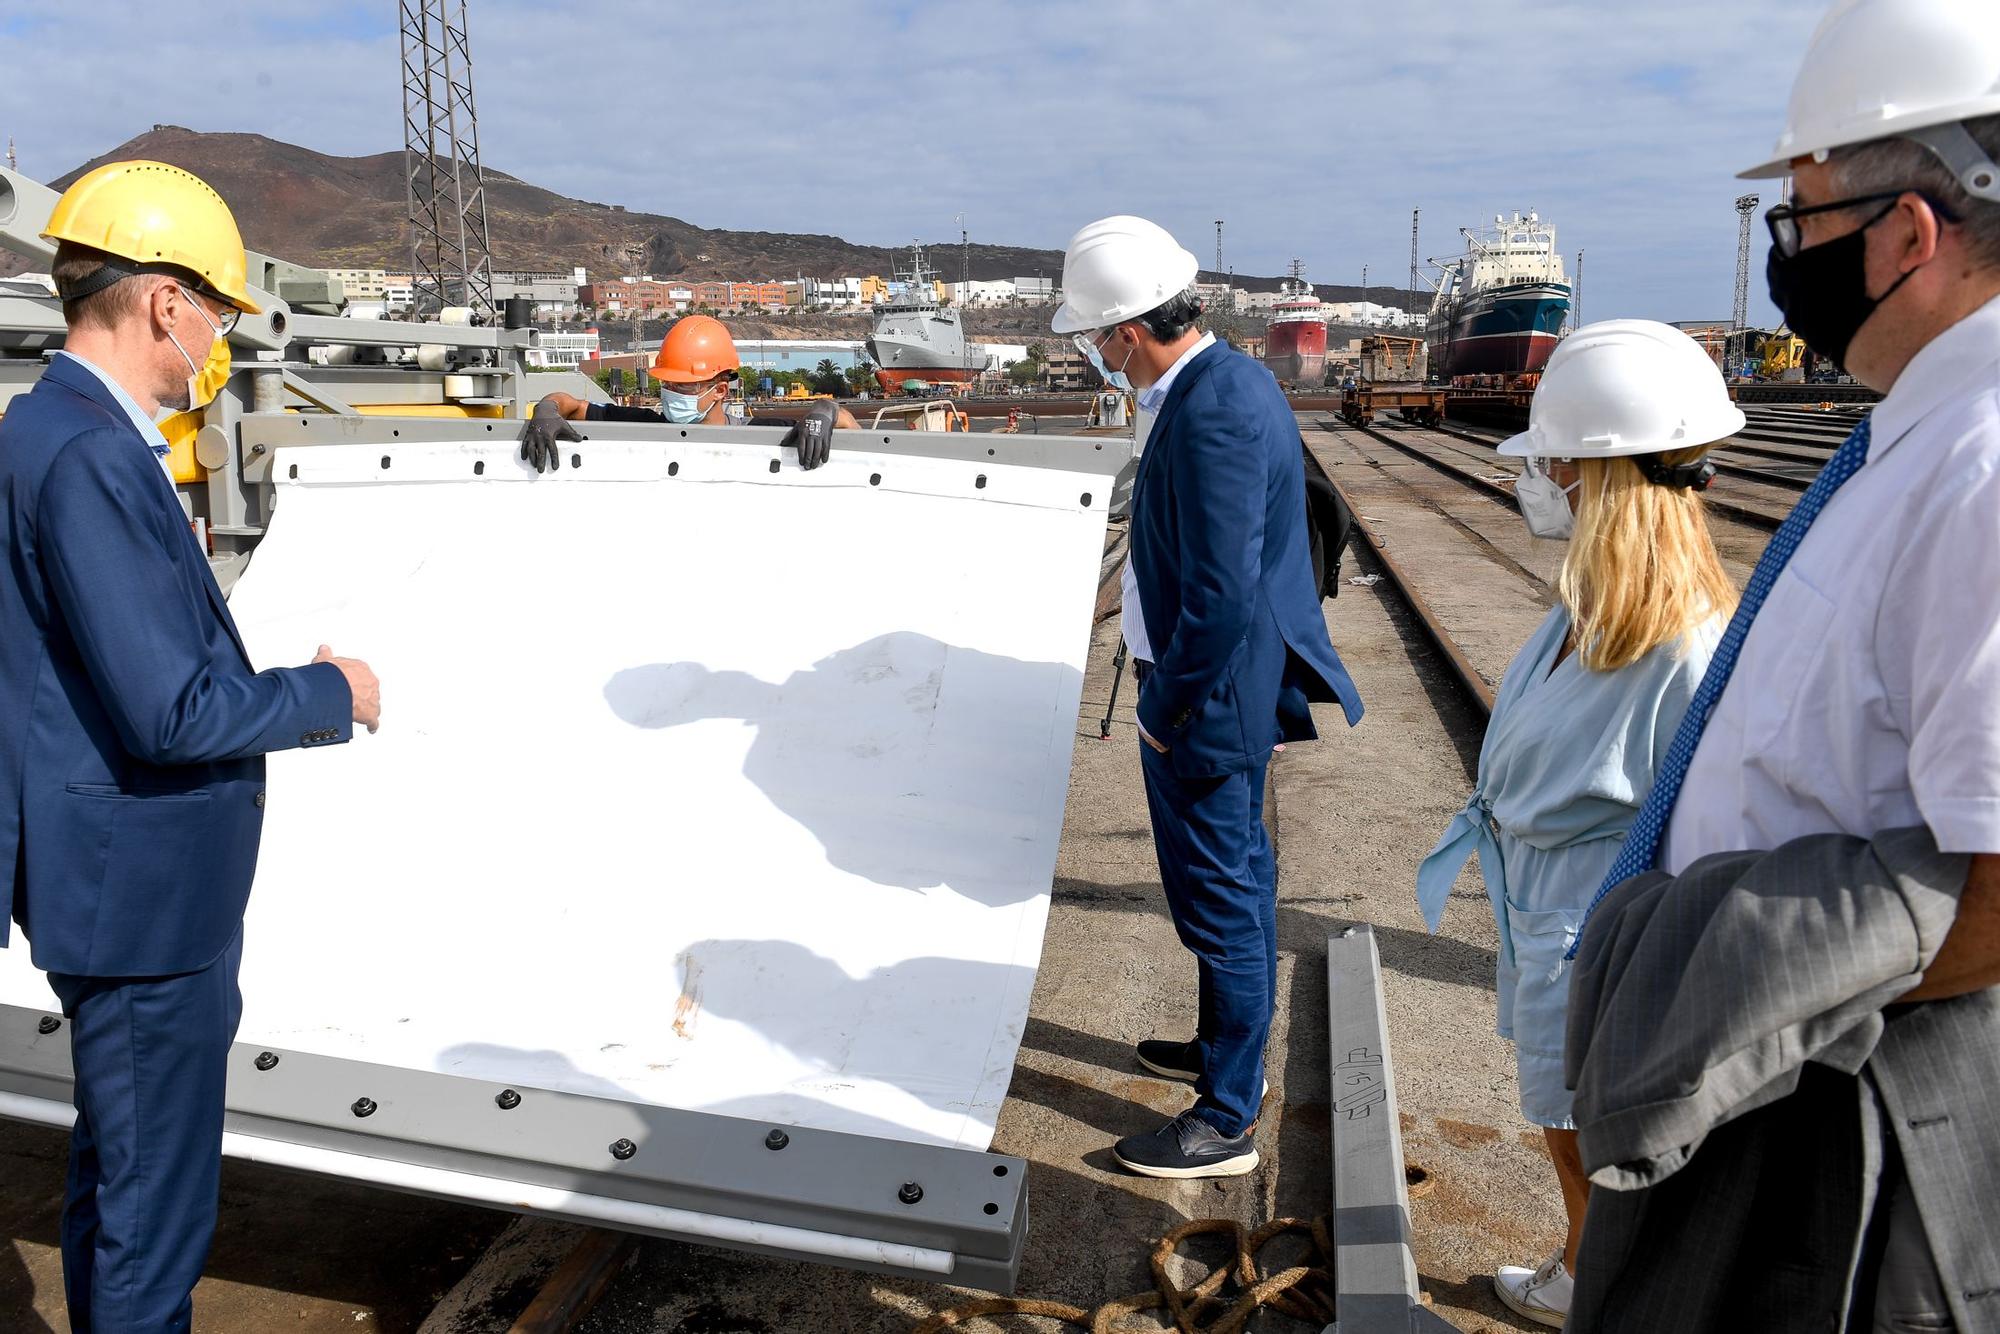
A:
(1866, 693)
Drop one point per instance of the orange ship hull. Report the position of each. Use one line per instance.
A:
(892, 381)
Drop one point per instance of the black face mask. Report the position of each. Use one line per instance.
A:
(1823, 291)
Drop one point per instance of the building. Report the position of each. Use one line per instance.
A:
(564, 348)
(1036, 291)
(626, 296)
(1067, 368)
(554, 294)
(760, 355)
(981, 295)
(399, 292)
(833, 293)
(361, 284)
(1370, 315)
(999, 356)
(873, 290)
(1216, 296)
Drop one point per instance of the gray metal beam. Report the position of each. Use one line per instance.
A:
(1097, 456)
(1375, 1271)
(945, 1214)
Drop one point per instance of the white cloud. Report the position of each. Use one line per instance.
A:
(1312, 128)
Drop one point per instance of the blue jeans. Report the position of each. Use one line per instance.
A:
(1221, 881)
(145, 1158)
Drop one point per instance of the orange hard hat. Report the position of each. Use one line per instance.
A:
(696, 349)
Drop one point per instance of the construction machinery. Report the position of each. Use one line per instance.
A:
(1781, 357)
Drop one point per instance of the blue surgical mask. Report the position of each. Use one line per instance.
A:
(1116, 379)
(682, 409)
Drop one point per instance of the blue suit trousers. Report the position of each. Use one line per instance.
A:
(145, 1159)
(1221, 881)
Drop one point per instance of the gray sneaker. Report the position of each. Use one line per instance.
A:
(1188, 1146)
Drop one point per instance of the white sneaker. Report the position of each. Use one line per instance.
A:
(1541, 1294)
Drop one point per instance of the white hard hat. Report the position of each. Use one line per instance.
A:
(1880, 69)
(1623, 387)
(1117, 269)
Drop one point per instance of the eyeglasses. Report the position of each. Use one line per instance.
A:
(225, 323)
(1783, 219)
(1088, 342)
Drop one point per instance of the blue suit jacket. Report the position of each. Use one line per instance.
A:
(132, 729)
(1224, 573)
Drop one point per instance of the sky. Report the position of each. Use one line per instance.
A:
(1311, 129)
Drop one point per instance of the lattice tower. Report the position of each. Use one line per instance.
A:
(451, 262)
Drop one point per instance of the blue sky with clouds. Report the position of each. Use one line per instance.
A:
(1311, 128)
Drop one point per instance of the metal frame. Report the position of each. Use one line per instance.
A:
(880, 1205)
(1375, 1270)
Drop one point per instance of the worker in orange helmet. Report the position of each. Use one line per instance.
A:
(695, 365)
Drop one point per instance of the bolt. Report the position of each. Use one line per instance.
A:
(507, 1100)
(266, 1059)
(48, 1025)
(623, 1149)
(910, 1193)
(363, 1107)
(776, 1140)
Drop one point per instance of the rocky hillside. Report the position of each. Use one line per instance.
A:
(348, 212)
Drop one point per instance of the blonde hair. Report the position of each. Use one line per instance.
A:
(1642, 569)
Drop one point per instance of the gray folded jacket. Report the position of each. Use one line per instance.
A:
(1697, 998)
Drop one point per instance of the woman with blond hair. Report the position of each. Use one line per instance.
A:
(1614, 463)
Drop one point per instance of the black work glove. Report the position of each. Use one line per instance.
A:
(541, 443)
(812, 434)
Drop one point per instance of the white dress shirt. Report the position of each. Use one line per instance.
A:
(1867, 696)
(1131, 617)
(148, 429)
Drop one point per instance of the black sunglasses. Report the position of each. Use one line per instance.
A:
(1783, 219)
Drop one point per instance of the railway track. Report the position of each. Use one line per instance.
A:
(1474, 587)
(1764, 508)
(1801, 464)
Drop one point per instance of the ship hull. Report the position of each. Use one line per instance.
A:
(1501, 331)
(892, 381)
(1295, 351)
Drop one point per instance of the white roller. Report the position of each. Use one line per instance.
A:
(724, 790)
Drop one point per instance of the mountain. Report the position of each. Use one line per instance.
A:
(349, 212)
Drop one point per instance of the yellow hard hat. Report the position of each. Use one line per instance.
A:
(151, 213)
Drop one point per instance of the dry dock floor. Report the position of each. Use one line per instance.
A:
(1352, 816)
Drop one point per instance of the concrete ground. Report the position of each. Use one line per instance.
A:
(1351, 817)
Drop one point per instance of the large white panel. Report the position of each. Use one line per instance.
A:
(697, 784)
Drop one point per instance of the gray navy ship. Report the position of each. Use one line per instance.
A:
(917, 341)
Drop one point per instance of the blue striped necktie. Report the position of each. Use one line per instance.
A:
(1642, 841)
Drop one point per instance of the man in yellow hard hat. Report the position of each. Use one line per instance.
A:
(131, 761)
(695, 365)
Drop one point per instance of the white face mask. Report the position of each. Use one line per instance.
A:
(1544, 505)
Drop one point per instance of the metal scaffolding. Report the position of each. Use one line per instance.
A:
(451, 263)
(1746, 209)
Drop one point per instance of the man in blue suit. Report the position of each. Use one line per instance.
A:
(1224, 625)
(132, 735)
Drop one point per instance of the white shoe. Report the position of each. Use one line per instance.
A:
(1541, 1294)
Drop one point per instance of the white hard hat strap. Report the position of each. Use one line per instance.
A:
(1954, 146)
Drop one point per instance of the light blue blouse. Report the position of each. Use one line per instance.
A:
(1569, 755)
